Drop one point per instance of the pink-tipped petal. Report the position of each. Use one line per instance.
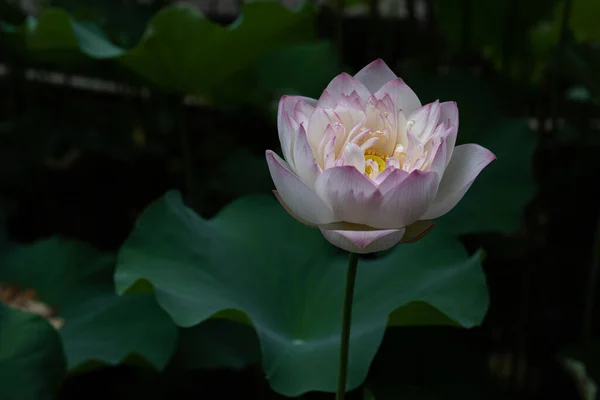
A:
(289, 211)
(343, 84)
(391, 179)
(375, 75)
(467, 162)
(425, 120)
(363, 242)
(406, 202)
(285, 127)
(401, 94)
(318, 123)
(298, 197)
(306, 167)
(449, 114)
(352, 196)
(438, 165)
(302, 112)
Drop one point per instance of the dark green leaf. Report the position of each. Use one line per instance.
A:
(289, 281)
(181, 50)
(217, 343)
(583, 20)
(99, 325)
(32, 363)
(303, 69)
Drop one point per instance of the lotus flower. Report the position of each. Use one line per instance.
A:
(368, 164)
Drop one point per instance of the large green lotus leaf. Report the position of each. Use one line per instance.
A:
(496, 200)
(181, 50)
(32, 363)
(289, 281)
(99, 325)
(217, 343)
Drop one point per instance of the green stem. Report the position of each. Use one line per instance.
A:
(346, 322)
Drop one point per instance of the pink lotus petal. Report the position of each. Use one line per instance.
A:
(425, 120)
(384, 174)
(467, 162)
(406, 202)
(352, 196)
(343, 84)
(391, 179)
(298, 197)
(375, 75)
(317, 125)
(289, 211)
(285, 127)
(438, 165)
(305, 164)
(449, 113)
(401, 94)
(363, 242)
(302, 112)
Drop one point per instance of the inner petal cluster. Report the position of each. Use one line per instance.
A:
(376, 136)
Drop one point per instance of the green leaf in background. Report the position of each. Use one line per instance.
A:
(289, 281)
(217, 343)
(185, 52)
(583, 20)
(499, 30)
(181, 50)
(99, 325)
(303, 69)
(496, 200)
(32, 363)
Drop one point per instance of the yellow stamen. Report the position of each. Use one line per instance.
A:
(379, 160)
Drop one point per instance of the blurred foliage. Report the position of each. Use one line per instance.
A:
(32, 363)
(99, 325)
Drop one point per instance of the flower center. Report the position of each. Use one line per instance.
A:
(376, 166)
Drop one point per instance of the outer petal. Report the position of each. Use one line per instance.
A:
(375, 75)
(299, 198)
(363, 242)
(306, 166)
(302, 112)
(438, 165)
(352, 196)
(341, 86)
(401, 94)
(407, 201)
(449, 113)
(284, 126)
(286, 208)
(467, 162)
(391, 177)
